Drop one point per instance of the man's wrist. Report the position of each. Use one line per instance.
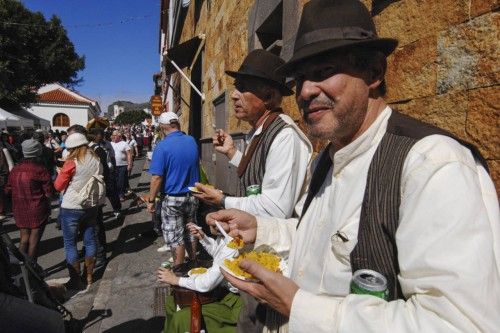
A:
(231, 152)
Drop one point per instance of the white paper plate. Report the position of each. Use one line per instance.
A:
(230, 272)
(283, 268)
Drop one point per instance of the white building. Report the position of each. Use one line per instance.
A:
(117, 109)
(63, 107)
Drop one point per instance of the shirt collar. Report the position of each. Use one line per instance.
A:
(175, 133)
(371, 137)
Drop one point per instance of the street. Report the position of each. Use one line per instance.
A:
(124, 296)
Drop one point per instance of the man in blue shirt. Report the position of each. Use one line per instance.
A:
(174, 167)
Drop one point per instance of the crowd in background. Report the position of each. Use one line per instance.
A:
(35, 170)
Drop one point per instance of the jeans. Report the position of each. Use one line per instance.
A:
(121, 180)
(111, 191)
(100, 234)
(73, 220)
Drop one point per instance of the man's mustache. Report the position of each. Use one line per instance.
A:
(317, 102)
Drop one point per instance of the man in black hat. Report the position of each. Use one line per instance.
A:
(395, 207)
(277, 156)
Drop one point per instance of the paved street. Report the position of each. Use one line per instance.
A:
(122, 299)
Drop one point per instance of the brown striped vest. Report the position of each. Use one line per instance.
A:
(376, 248)
(253, 164)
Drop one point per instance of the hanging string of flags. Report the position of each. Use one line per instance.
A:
(92, 25)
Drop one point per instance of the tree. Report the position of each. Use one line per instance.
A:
(33, 52)
(131, 117)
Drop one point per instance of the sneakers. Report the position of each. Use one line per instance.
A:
(164, 248)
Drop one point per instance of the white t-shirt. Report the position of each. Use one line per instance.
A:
(132, 143)
(120, 149)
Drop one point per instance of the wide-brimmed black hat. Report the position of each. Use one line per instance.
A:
(334, 25)
(262, 64)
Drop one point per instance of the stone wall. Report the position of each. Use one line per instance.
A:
(445, 70)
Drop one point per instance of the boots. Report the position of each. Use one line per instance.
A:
(75, 280)
(89, 269)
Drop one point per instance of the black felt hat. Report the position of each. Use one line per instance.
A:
(262, 64)
(331, 25)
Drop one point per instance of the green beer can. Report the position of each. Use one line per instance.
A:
(368, 282)
(252, 190)
(166, 264)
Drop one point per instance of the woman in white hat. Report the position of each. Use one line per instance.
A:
(80, 165)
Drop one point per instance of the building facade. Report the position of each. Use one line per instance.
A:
(63, 108)
(444, 71)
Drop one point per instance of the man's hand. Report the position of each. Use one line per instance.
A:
(150, 207)
(195, 230)
(223, 143)
(235, 222)
(273, 289)
(167, 276)
(210, 194)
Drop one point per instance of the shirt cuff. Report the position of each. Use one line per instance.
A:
(314, 313)
(236, 158)
(231, 202)
(183, 282)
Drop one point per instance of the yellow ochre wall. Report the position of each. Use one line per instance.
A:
(445, 70)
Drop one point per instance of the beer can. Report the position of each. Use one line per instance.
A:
(252, 190)
(368, 282)
(166, 264)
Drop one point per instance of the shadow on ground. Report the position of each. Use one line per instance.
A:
(132, 239)
(154, 324)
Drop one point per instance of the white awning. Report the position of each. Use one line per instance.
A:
(10, 120)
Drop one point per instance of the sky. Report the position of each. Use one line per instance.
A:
(119, 39)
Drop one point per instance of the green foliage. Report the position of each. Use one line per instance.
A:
(131, 117)
(33, 52)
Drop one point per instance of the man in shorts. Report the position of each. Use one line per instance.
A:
(175, 167)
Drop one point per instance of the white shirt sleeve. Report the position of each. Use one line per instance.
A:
(212, 277)
(235, 161)
(277, 233)
(448, 253)
(286, 168)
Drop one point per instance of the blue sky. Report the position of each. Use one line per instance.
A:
(119, 39)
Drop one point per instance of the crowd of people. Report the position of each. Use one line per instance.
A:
(78, 169)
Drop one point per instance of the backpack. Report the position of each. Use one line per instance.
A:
(93, 193)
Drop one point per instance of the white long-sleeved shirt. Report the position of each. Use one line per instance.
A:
(447, 239)
(287, 164)
(212, 277)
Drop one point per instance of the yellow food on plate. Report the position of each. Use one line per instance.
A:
(268, 260)
(236, 243)
(197, 270)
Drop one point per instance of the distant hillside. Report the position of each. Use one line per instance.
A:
(128, 106)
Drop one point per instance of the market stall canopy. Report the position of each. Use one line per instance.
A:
(37, 121)
(8, 119)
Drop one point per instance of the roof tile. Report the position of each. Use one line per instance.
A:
(59, 96)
